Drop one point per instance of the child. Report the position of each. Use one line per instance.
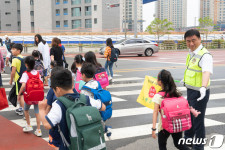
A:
(61, 83)
(52, 65)
(78, 60)
(18, 67)
(38, 63)
(165, 80)
(88, 72)
(29, 62)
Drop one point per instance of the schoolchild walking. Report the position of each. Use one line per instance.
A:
(30, 63)
(39, 66)
(76, 72)
(165, 80)
(61, 83)
(18, 67)
(107, 55)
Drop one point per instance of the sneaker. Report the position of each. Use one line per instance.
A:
(27, 128)
(112, 80)
(38, 132)
(19, 111)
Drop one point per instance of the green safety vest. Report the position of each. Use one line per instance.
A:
(193, 72)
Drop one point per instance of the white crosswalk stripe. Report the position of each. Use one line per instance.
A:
(119, 91)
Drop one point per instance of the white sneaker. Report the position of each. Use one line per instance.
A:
(110, 78)
(38, 132)
(27, 128)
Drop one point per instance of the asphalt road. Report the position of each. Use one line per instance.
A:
(131, 122)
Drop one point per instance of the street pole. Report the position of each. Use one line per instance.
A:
(135, 18)
(125, 23)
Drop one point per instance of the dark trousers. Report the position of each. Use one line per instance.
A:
(198, 124)
(163, 135)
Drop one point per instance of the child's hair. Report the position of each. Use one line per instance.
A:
(53, 64)
(79, 59)
(169, 86)
(91, 58)
(30, 61)
(61, 78)
(11, 45)
(88, 70)
(1, 42)
(109, 42)
(18, 47)
(74, 67)
(37, 54)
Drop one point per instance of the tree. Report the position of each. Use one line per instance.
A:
(159, 27)
(206, 25)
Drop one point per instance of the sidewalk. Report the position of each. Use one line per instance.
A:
(12, 137)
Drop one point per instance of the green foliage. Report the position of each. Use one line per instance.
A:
(159, 27)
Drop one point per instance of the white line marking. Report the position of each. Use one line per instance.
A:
(128, 79)
(124, 93)
(124, 85)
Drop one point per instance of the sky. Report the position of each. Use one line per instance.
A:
(193, 13)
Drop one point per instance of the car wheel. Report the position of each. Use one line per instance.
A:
(148, 52)
(139, 54)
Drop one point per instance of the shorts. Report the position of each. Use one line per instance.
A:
(1, 80)
(27, 107)
(45, 72)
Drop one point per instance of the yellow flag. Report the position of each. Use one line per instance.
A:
(149, 89)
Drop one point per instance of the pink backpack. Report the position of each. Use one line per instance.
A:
(175, 114)
(77, 81)
(102, 77)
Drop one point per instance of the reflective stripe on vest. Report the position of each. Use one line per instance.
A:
(193, 72)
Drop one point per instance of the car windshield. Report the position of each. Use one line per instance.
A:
(120, 41)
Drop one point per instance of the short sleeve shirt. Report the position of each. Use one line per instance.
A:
(25, 77)
(158, 99)
(16, 63)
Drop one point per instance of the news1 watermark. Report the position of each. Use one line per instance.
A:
(216, 141)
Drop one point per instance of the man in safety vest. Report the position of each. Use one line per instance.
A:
(199, 65)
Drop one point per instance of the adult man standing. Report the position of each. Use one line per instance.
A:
(199, 64)
(7, 43)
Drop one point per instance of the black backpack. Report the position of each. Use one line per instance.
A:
(114, 54)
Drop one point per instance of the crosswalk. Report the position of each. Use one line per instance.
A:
(130, 119)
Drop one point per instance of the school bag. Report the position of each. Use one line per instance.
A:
(22, 67)
(175, 114)
(78, 80)
(34, 91)
(105, 98)
(114, 54)
(101, 76)
(39, 67)
(3, 51)
(84, 124)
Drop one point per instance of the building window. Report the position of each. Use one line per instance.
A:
(88, 11)
(76, 24)
(18, 23)
(65, 1)
(57, 24)
(65, 23)
(18, 12)
(95, 7)
(65, 11)
(76, 2)
(95, 21)
(7, 2)
(32, 24)
(7, 13)
(87, 1)
(32, 13)
(88, 23)
(31, 2)
(57, 11)
(8, 25)
(76, 11)
(57, 2)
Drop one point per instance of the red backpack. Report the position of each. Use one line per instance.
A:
(175, 114)
(34, 91)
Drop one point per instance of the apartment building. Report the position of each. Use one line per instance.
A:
(174, 11)
(43, 16)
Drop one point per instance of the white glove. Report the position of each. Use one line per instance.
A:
(202, 92)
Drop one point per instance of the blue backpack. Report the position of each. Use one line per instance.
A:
(105, 98)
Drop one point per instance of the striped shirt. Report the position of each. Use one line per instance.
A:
(107, 53)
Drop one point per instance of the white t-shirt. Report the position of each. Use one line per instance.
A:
(91, 84)
(55, 114)
(45, 51)
(158, 99)
(25, 77)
